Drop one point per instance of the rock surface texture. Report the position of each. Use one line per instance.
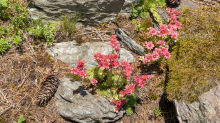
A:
(69, 53)
(132, 45)
(93, 11)
(77, 104)
(206, 110)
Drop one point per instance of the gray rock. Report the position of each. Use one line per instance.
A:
(69, 53)
(77, 104)
(206, 110)
(93, 11)
(132, 45)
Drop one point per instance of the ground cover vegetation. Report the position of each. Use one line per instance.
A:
(116, 88)
(194, 63)
(16, 14)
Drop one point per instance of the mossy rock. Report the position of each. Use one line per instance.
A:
(195, 59)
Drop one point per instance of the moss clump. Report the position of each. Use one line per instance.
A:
(194, 63)
(152, 97)
(146, 24)
(161, 84)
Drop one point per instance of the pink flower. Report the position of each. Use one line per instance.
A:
(105, 64)
(124, 63)
(98, 56)
(148, 57)
(114, 37)
(130, 89)
(145, 77)
(129, 69)
(82, 73)
(178, 24)
(170, 10)
(149, 45)
(93, 81)
(163, 50)
(155, 56)
(162, 42)
(115, 64)
(163, 27)
(121, 93)
(117, 48)
(80, 64)
(178, 13)
(167, 55)
(172, 30)
(127, 75)
(173, 18)
(118, 104)
(174, 35)
(163, 32)
(138, 79)
(141, 84)
(74, 70)
(159, 51)
(152, 31)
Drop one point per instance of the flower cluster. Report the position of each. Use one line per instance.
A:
(127, 91)
(140, 80)
(113, 43)
(159, 49)
(127, 69)
(79, 69)
(118, 103)
(108, 62)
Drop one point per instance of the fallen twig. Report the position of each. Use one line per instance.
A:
(23, 81)
(7, 109)
(99, 34)
(4, 96)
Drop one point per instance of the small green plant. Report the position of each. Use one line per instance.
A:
(40, 30)
(153, 97)
(68, 23)
(21, 119)
(161, 84)
(11, 34)
(138, 26)
(144, 7)
(157, 112)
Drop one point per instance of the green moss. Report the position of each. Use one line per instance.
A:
(152, 97)
(146, 24)
(161, 84)
(194, 62)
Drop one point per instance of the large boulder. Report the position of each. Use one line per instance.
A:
(93, 11)
(69, 53)
(77, 104)
(206, 110)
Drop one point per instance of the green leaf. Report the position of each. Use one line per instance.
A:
(144, 15)
(4, 3)
(129, 111)
(21, 119)
(133, 21)
(162, 2)
(135, 12)
(141, 2)
(17, 39)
